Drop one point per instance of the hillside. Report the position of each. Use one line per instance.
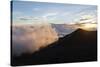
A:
(79, 46)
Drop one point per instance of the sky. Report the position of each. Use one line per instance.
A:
(24, 12)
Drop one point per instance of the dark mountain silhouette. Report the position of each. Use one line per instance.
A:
(79, 46)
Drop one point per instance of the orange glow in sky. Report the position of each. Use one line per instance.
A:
(88, 26)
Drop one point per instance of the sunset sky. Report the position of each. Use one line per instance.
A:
(31, 12)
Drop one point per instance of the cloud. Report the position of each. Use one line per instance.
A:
(36, 9)
(25, 18)
(49, 14)
(27, 38)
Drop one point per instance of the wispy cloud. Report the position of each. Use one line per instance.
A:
(25, 18)
(49, 14)
(36, 9)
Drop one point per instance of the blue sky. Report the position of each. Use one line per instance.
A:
(31, 12)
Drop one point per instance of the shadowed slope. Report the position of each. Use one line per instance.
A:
(78, 46)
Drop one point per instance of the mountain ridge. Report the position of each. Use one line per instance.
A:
(79, 46)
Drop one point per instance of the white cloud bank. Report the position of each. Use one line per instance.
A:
(29, 38)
